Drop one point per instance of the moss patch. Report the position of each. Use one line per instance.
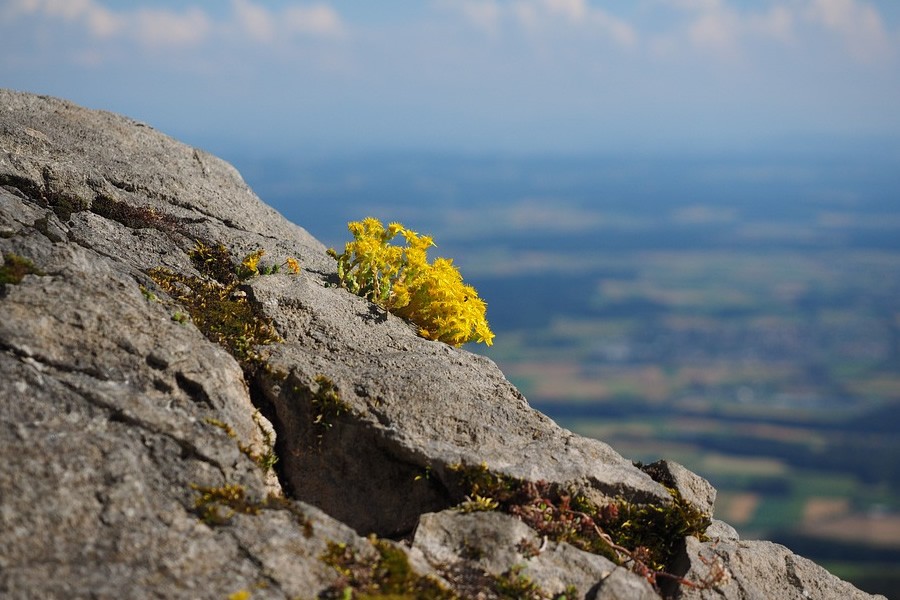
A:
(389, 575)
(266, 459)
(645, 537)
(215, 262)
(15, 268)
(218, 308)
(218, 505)
(136, 217)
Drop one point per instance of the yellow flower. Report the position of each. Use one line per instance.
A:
(394, 229)
(293, 264)
(251, 261)
(432, 296)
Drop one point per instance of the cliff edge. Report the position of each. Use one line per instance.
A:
(178, 425)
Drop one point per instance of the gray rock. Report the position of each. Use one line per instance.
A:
(691, 486)
(622, 584)
(758, 570)
(130, 442)
(413, 405)
(106, 404)
(720, 530)
(501, 546)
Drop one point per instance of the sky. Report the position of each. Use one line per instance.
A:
(470, 76)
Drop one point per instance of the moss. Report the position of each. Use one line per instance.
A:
(224, 315)
(661, 528)
(326, 406)
(218, 505)
(387, 575)
(64, 205)
(15, 268)
(265, 460)
(136, 217)
(150, 296)
(215, 262)
(644, 537)
(514, 585)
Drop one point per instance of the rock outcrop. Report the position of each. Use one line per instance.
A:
(141, 414)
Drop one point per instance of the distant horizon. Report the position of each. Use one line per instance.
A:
(800, 147)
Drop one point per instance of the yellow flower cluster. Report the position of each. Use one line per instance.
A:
(433, 296)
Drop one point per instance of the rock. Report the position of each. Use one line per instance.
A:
(500, 547)
(140, 416)
(621, 584)
(412, 406)
(691, 486)
(760, 570)
(720, 530)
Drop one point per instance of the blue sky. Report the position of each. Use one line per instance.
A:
(473, 76)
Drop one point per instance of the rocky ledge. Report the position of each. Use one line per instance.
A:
(179, 425)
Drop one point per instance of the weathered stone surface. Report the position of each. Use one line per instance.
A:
(761, 570)
(501, 546)
(414, 405)
(116, 418)
(691, 486)
(621, 584)
(720, 530)
(105, 401)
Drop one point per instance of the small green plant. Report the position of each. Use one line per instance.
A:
(401, 280)
(327, 406)
(265, 460)
(477, 503)
(389, 575)
(218, 505)
(150, 296)
(15, 268)
(643, 537)
(216, 306)
(251, 267)
(515, 585)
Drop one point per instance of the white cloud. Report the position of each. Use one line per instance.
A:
(718, 27)
(103, 22)
(316, 19)
(484, 14)
(573, 10)
(694, 4)
(715, 29)
(163, 28)
(535, 16)
(152, 27)
(190, 26)
(256, 20)
(777, 23)
(265, 25)
(99, 21)
(858, 23)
